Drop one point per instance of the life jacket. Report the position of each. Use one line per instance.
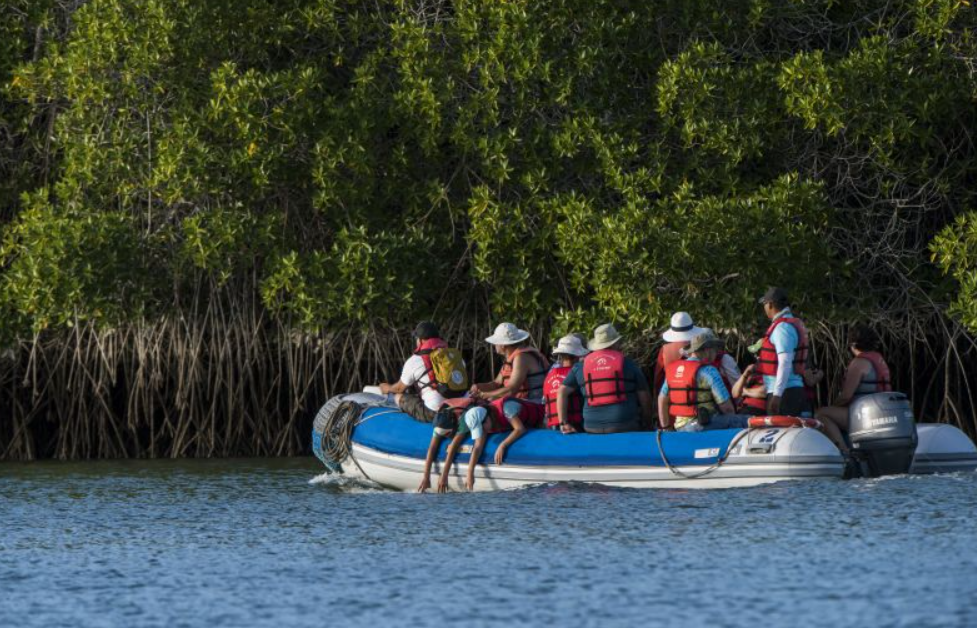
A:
(445, 368)
(881, 382)
(670, 352)
(551, 389)
(532, 386)
(718, 363)
(604, 380)
(767, 356)
(684, 389)
(753, 403)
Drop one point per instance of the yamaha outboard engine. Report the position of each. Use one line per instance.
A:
(883, 433)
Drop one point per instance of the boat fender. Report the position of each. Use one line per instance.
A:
(783, 421)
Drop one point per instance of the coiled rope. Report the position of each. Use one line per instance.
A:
(332, 432)
(336, 434)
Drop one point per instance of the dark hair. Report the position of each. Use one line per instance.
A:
(781, 303)
(426, 330)
(864, 338)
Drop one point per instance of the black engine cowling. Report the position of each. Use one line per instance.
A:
(882, 430)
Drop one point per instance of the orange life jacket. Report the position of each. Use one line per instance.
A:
(670, 352)
(881, 381)
(532, 386)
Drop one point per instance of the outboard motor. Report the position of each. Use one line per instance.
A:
(883, 433)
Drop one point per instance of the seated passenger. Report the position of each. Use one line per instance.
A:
(431, 356)
(694, 397)
(749, 394)
(479, 421)
(615, 391)
(676, 337)
(568, 352)
(866, 374)
(517, 391)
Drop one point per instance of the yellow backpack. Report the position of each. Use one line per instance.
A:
(447, 366)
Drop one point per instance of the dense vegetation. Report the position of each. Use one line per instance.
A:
(206, 205)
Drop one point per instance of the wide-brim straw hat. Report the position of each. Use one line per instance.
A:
(681, 329)
(604, 336)
(507, 334)
(570, 345)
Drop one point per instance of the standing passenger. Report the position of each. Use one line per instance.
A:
(567, 353)
(517, 391)
(782, 357)
(615, 391)
(867, 373)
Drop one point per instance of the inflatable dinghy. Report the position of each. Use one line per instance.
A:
(382, 444)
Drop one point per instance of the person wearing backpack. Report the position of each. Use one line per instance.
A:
(433, 373)
(615, 391)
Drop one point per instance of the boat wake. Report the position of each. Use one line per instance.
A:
(345, 484)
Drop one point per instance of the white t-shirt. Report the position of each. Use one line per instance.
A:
(415, 374)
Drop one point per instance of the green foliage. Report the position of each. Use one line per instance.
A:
(579, 160)
(955, 250)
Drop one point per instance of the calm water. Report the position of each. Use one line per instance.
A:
(255, 543)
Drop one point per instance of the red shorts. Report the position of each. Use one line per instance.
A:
(531, 414)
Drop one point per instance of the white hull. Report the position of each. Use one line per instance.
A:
(760, 457)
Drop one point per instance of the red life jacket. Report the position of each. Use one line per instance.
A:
(881, 381)
(603, 377)
(551, 387)
(670, 352)
(753, 403)
(767, 356)
(427, 346)
(532, 385)
(683, 388)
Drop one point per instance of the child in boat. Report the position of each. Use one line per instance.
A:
(479, 422)
(445, 424)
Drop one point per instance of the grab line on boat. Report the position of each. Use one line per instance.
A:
(705, 472)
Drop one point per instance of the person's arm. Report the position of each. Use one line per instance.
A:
(473, 460)
(663, 419)
(396, 389)
(644, 400)
(432, 453)
(756, 392)
(520, 369)
(518, 429)
(563, 409)
(448, 459)
(718, 388)
(853, 377)
(730, 368)
(738, 388)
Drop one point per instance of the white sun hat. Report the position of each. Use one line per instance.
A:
(682, 328)
(507, 334)
(570, 345)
